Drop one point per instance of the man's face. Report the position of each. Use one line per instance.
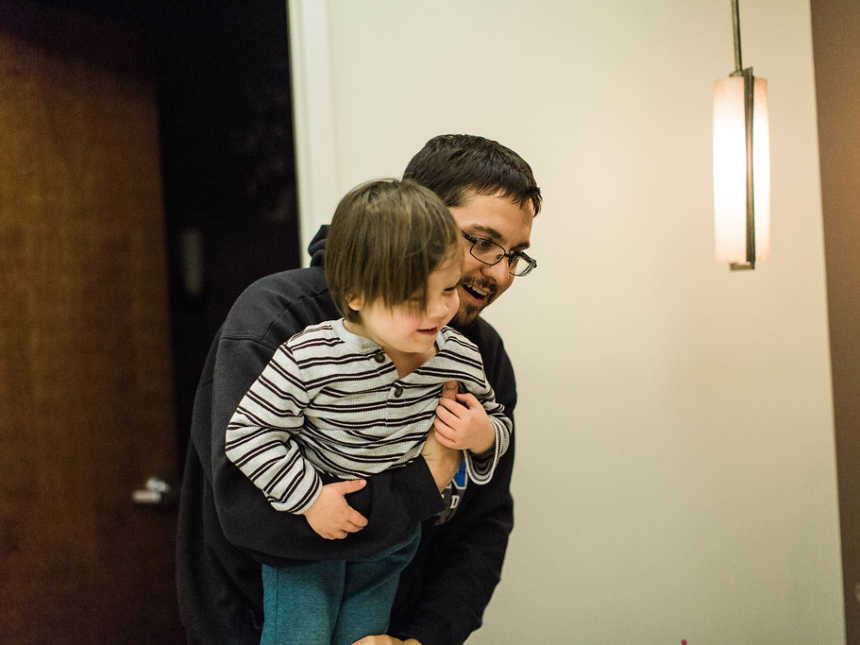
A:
(502, 221)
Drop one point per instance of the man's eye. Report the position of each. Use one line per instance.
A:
(483, 244)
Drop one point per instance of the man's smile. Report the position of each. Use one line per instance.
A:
(483, 293)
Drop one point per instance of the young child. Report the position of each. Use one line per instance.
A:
(355, 396)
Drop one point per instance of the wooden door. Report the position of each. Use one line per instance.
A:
(86, 410)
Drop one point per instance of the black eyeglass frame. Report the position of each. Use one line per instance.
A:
(531, 263)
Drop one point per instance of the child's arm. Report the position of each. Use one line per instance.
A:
(259, 442)
(475, 423)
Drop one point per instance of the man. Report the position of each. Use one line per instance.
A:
(227, 528)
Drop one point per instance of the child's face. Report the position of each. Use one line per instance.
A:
(405, 329)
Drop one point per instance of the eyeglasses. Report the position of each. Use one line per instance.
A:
(490, 253)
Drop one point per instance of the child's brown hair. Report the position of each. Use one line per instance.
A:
(386, 237)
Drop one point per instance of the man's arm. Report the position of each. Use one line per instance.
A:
(393, 502)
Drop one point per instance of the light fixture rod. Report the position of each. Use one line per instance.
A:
(736, 24)
(749, 89)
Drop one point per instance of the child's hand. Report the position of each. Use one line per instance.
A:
(463, 424)
(330, 516)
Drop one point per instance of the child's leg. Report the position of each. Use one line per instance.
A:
(369, 589)
(301, 603)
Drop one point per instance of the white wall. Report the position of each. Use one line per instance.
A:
(697, 497)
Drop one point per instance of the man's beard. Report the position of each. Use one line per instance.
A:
(468, 312)
(466, 315)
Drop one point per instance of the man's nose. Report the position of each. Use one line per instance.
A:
(499, 271)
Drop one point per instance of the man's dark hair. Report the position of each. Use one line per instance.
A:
(452, 164)
(385, 239)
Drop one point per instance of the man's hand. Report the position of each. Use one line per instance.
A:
(443, 462)
(382, 639)
(463, 424)
(330, 516)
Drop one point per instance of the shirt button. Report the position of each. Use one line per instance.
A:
(379, 357)
(398, 390)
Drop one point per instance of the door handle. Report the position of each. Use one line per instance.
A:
(155, 492)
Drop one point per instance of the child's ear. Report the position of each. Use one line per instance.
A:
(356, 303)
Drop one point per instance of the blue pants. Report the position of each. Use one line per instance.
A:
(332, 602)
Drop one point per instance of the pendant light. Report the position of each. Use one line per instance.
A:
(741, 164)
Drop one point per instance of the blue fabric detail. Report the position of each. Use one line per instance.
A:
(460, 477)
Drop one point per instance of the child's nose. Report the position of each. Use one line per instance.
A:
(437, 308)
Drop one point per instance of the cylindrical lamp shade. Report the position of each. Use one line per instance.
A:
(730, 171)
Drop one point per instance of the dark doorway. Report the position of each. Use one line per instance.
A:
(228, 162)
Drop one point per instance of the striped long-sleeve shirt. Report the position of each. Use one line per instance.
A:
(332, 401)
